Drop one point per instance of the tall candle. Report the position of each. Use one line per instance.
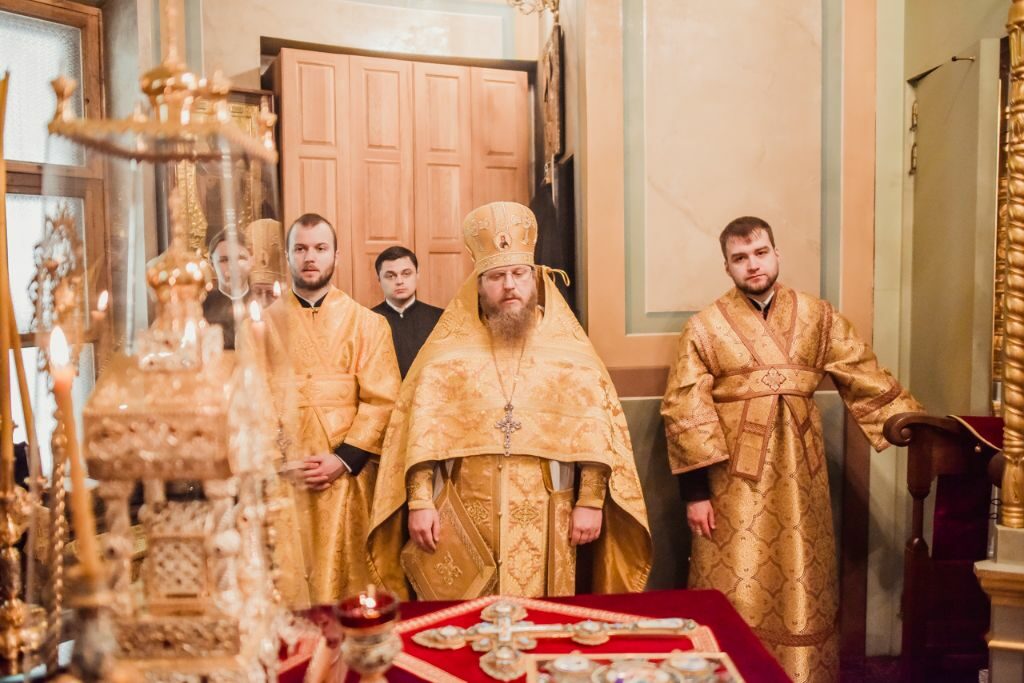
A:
(6, 412)
(6, 310)
(259, 331)
(82, 518)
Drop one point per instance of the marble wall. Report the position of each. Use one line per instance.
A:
(731, 116)
(724, 109)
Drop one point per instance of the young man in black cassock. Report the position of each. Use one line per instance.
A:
(218, 307)
(411, 320)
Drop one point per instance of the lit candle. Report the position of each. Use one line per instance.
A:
(277, 289)
(101, 307)
(259, 329)
(367, 609)
(82, 519)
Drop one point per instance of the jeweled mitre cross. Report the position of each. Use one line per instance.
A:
(507, 425)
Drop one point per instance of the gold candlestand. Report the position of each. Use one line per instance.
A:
(22, 626)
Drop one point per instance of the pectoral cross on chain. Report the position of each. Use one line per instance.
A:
(507, 425)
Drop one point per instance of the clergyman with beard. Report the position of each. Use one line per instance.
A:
(744, 436)
(334, 378)
(508, 410)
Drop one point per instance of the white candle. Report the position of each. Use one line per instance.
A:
(259, 330)
(82, 518)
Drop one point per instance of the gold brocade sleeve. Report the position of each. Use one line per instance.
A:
(420, 486)
(871, 394)
(593, 486)
(378, 382)
(695, 436)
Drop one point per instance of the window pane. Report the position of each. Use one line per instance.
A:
(42, 400)
(25, 221)
(35, 52)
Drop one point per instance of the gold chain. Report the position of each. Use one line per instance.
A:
(515, 378)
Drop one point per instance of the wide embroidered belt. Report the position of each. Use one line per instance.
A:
(765, 389)
(767, 380)
(314, 390)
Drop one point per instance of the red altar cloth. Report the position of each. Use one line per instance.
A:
(707, 608)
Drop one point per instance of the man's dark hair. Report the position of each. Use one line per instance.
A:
(393, 254)
(744, 228)
(309, 220)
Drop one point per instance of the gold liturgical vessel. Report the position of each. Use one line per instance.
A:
(172, 415)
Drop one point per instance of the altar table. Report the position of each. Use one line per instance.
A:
(707, 607)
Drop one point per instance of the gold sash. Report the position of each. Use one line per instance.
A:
(332, 396)
(561, 553)
(761, 389)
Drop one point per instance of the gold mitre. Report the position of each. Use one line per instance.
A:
(500, 234)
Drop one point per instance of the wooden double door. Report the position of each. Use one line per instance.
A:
(398, 152)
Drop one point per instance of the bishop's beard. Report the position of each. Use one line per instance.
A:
(510, 326)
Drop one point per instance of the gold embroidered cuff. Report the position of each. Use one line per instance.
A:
(420, 486)
(593, 486)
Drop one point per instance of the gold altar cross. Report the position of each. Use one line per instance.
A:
(507, 425)
(503, 636)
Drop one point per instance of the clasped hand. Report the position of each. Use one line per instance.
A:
(319, 471)
(425, 527)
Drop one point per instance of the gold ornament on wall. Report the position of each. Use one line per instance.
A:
(536, 6)
(552, 97)
(198, 181)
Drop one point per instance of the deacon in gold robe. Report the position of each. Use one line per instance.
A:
(745, 435)
(508, 402)
(334, 378)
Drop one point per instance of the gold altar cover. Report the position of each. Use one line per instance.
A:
(334, 378)
(569, 411)
(739, 399)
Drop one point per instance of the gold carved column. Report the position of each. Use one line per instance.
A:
(1012, 492)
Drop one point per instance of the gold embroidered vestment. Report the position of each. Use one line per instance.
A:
(740, 402)
(569, 414)
(334, 378)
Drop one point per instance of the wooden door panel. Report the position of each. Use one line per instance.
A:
(318, 185)
(383, 215)
(499, 183)
(395, 152)
(444, 205)
(501, 136)
(382, 90)
(364, 272)
(444, 177)
(381, 165)
(312, 90)
(443, 273)
(317, 123)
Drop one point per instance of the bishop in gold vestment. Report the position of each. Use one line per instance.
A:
(739, 407)
(334, 378)
(513, 426)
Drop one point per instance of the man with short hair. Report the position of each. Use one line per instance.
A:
(411, 320)
(744, 434)
(218, 306)
(334, 378)
(508, 403)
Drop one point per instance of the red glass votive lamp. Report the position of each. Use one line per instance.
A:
(368, 609)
